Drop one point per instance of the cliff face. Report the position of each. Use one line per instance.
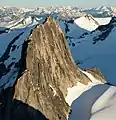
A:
(50, 70)
(46, 71)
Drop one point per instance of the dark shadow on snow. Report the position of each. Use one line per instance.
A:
(81, 107)
(70, 38)
(19, 65)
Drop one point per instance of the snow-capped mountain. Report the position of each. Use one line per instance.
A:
(101, 11)
(94, 49)
(35, 61)
(74, 30)
(8, 14)
(77, 28)
(10, 54)
(70, 29)
(103, 21)
(97, 49)
(91, 23)
(46, 74)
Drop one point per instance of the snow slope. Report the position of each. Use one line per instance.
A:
(93, 49)
(10, 54)
(72, 31)
(25, 22)
(97, 103)
(100, 11)
(97, 49)
(105, 106)
(103, 21)
(78, 28)
(12, 38)
(76, 91)
(87, 22)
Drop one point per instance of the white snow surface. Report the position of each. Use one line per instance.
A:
(101, 55)
(87, 23)
(95, 101)
(76, 91)
(74, 30)
(105, 107)
(103, 21)
(10, 54)
(25, 22)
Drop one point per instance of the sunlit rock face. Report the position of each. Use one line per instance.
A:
(45, 72)
(50, 71)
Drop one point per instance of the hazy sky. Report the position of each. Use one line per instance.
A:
(37, 3)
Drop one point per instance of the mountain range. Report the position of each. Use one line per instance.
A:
(8, 14)
(57, 63)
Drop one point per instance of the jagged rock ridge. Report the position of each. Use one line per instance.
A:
(46, 71)
(50, 71)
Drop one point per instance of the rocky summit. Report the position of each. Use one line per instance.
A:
(45, 71)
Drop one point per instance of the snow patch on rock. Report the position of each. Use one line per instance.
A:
(76, 91)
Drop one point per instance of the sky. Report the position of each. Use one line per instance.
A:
(46, 3)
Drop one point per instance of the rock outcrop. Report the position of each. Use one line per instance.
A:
(50, 71)
(46, 71)
(97, 74)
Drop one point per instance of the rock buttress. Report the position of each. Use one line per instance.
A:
(50, 70)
